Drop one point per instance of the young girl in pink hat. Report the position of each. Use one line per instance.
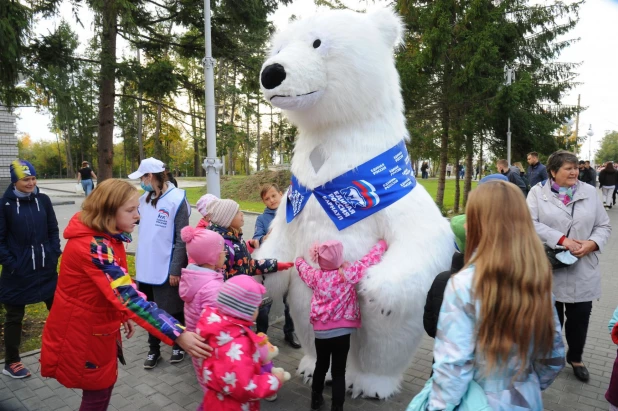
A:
(335, 313)
(201, 280)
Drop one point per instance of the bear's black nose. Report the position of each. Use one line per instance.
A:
(272, 76)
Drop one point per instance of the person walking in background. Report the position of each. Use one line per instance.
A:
(81, 339)
(29, 252)
(608, 180)
(449, 169)
(425, 171)
(161, 253)
(569, 213)
(537, 173)
(522, 174)
(512, 174)
(593, 175)
(584, 175)
(484, 333)
(271, 196)
(335, 312)
(85, 176)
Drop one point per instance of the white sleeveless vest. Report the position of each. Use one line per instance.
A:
(157, 236)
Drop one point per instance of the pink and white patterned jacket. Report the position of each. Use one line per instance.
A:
(334, 303)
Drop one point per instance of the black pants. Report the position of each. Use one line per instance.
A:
(261, 322)
(153, 342)
(338, 347)
(576, 326)
(12, 329)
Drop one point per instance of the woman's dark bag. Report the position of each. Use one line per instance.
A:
(551, 252)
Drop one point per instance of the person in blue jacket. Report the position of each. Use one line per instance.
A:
(271, 196)
(29, 252)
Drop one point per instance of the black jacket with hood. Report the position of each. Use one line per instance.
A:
(436, 295)
(29, 248)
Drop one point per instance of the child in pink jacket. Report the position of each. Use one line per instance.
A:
(200, 281)
(335, 312)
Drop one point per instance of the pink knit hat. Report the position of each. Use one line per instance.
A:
(203, 246)
(240, 296)
(202, 203)
(328, 255)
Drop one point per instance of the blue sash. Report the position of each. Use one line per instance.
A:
(360, 192)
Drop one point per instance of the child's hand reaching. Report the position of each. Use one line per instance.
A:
(284, 266)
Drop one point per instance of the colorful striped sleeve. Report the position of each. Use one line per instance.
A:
(119, 289)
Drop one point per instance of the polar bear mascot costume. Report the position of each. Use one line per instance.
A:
(334, 77)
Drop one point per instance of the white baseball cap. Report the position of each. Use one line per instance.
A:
(148, 165)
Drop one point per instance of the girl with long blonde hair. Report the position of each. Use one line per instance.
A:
(498, 325)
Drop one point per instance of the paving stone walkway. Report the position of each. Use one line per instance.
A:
(174, 387)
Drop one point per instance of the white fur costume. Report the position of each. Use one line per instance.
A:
(343, 94)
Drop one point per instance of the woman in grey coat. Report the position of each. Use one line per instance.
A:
(561, 206)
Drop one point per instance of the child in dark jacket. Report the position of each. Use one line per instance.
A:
(227, 220)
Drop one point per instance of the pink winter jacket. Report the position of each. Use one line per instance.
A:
(334, 303)
(199, 288)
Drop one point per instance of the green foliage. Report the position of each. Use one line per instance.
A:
(14, 29)
(609, 148)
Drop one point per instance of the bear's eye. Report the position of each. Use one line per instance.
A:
(317, 43)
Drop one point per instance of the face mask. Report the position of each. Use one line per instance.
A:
(146, 187)
(566, 257)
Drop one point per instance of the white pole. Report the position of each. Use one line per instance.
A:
(508, 142)
(211, 164)
(509, 77)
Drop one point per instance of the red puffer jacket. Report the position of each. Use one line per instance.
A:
(81, 338)
(233, 374)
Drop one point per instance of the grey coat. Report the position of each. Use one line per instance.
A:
(552, 219)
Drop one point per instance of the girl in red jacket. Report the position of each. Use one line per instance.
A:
(95, 295)
(233, 374)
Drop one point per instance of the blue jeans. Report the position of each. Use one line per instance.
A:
(87, 186)
(261, 322)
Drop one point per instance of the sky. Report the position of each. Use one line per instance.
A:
(598, 42)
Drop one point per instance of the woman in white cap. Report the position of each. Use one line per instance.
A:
(161, 253)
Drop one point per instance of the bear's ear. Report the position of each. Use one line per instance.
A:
(389, 24)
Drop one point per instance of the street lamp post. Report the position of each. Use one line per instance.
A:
(590, 133)
(509, 77)
(211, 164)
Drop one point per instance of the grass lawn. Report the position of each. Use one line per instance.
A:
(34, 320)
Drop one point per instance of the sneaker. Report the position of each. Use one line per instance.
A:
(271, 398)
(177, 355)
(16, 370)
(152, 360)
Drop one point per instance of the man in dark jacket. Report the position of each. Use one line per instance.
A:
(513, 175)
(537, 173)
(593, 174)
(29, 252)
